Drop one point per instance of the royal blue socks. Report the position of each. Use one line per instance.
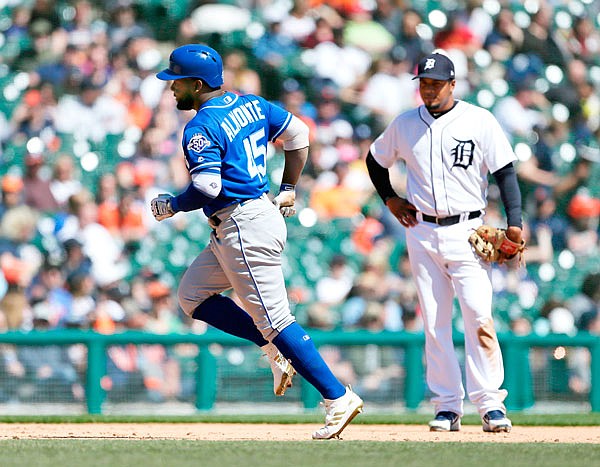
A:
(298, 347)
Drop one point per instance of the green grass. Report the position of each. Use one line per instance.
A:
(182, 453)
(589, 419)
(112, 453)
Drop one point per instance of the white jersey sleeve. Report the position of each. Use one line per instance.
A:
(384, 148)
(497, 149)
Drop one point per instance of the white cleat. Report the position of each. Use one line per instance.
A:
(282, 369)
(496, 421)
(338, 414)
(283, 372)
(445, 421)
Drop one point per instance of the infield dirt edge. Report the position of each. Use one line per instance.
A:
(290, 432)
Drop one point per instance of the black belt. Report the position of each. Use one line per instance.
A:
(450, 220)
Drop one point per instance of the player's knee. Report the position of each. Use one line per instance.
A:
(187, 303)
(486, 334)
(279, 324)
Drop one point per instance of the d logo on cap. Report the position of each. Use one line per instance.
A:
(436, 66)
(430, 63)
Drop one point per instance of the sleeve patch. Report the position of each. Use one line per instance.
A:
(198, 143)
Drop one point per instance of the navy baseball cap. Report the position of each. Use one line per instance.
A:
(435, 66)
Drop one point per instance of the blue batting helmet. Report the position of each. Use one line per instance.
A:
(194, 61)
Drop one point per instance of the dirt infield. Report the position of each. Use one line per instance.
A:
(301, 432)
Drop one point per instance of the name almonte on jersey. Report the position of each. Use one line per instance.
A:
(240, 117)
(228, 137)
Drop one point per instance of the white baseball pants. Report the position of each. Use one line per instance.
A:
(444, 266)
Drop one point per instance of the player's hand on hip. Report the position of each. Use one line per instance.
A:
(285, 201)
(404, 211)
(161, 207)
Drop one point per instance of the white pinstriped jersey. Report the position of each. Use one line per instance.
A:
(447, 159)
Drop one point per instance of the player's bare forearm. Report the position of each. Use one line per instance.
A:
(573, 179)
(294, 163)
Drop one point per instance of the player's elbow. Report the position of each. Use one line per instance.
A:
(296, 135)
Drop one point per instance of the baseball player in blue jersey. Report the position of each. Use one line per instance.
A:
(225, 147)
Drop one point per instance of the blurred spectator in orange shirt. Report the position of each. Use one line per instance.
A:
(12, 193)
(582, 236)
(131, 218)
(108, 202)
(337, 199)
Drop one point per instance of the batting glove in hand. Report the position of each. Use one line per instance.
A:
(161, 207)
(285, 200)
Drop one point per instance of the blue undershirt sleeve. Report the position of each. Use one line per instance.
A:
(506, 178)
(190, 200)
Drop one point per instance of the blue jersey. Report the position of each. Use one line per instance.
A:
(229, 136)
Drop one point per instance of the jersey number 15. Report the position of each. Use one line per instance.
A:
(255, 149)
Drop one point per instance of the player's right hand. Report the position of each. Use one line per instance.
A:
(285, 203)
(404, 211)
(161, 207)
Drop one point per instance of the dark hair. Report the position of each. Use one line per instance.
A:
(591, 285)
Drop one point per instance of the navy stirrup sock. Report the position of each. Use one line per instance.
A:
(298, 347)
(293, 342)
(224, 314)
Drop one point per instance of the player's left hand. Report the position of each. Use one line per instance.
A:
(515, 234)
(497, 245)
(285, 202)
(161, 207)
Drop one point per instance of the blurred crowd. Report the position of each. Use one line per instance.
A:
(79, 247)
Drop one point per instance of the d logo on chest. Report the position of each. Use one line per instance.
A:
(463, 153)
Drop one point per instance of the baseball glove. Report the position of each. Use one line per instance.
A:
(492, 245)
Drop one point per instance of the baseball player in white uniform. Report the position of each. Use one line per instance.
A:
(449, 147)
